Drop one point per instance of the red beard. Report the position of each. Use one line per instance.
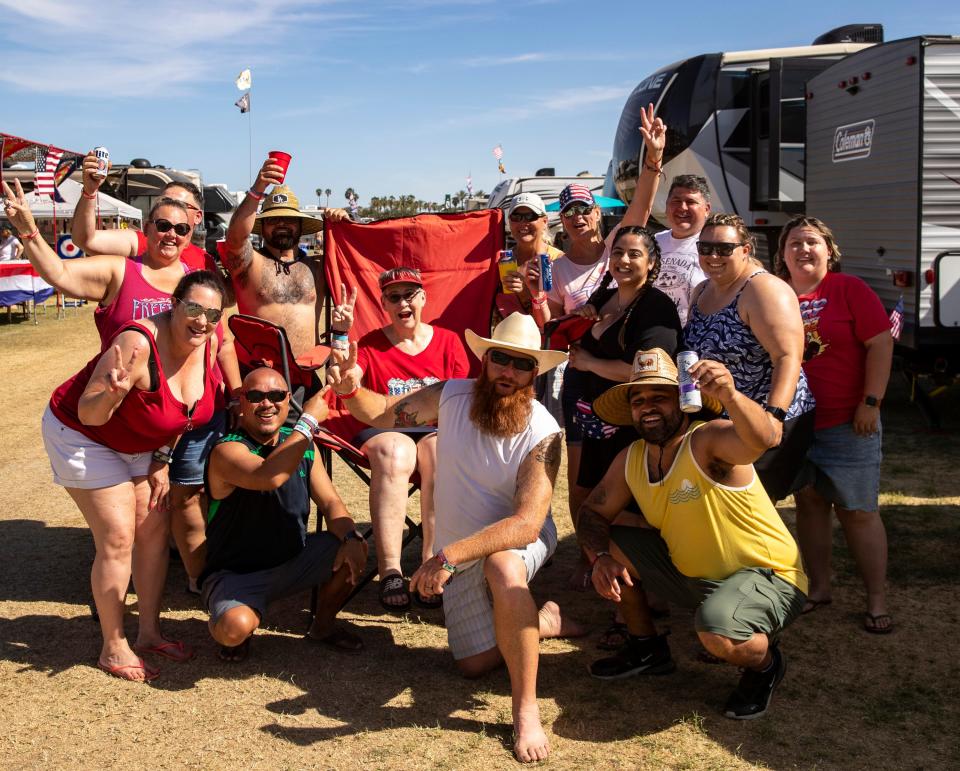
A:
(500, 415)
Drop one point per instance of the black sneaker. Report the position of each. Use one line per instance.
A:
(752, 695)
(650, 656)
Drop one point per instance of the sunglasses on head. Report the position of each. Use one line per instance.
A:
(520, 363)
(722, 248)
(579, 209)
(396, 297)
(162, 226)
(530, 216)
(255, 396)
(193, 310)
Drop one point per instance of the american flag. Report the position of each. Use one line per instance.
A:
(46, 166)
(498, 152)
(896, 319)
(243, 103)
(469, 185)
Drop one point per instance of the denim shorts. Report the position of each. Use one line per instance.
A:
(844, 467)
(190, 454)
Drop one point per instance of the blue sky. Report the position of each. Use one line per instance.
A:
(388, 97)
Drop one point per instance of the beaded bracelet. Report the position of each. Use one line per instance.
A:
(349, 395)
(30, 237)
(90, 197)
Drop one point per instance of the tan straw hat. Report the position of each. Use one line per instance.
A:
(653, 367)
(281, 202)
(518, 333)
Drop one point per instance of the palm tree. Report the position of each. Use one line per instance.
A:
(319, 192)
(327, 192)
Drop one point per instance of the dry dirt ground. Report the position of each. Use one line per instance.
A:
(850, 700)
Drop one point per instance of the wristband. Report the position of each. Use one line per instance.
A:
(255, 195)
(337, 335)
(339, 345)
(445, 563)
(163, 457)
(539, 301)
(311, 421)
(91, 197)
(349, 395)
(598, 555)
(31, 236)
(304, 430)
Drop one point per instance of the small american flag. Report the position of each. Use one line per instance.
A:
(498, 152)
(243, 103)
(896, 319)
(46, 165)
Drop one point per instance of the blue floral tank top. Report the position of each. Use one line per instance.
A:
(723, 337)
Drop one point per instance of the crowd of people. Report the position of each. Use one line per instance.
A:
(163, 432)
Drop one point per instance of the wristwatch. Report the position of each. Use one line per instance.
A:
(872, 401)
(354, 535)
(777, 412)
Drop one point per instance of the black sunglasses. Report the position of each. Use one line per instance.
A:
(577, 209)
(722, 248)
(520, 363)
(193, 310)
(395, 297)
(528, 217)
(255, 396)
(162, 226)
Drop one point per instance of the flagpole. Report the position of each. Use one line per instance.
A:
(250, 140)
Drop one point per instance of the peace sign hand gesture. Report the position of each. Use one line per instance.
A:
(654, 132)
(342, 317)
(120, 377)
(16, 208)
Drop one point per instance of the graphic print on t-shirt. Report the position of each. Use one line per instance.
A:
(810, 311)
(397, 386)
(144, 308)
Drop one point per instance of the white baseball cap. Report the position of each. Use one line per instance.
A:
(532, 201)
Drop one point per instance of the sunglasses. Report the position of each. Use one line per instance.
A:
(528, 217)
(577, 210)
(195, 309)
(162, 226)
(255, 396)
(396, 298)
(520, 363)
(722, 248)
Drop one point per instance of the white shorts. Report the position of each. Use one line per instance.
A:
(78, 461)
(467, 606)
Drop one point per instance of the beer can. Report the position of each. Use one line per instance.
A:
(103, 161)
(507, 264)
(546, 273)
(689, 391)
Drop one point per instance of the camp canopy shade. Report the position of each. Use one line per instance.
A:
(42, 207)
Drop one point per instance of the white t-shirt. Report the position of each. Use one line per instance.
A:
(8, 248)
(476, 475)
(573, 283)
(679, 270)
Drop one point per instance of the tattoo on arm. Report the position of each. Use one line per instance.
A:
(407, 411)
(405, 417)
(593, 530)
(548, 453)
(237, 263)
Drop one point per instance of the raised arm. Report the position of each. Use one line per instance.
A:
(237, 250)
(84, 229)
(648, 180)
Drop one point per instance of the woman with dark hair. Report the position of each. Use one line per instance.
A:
(749, 321)
(847, 360)
(109, 432)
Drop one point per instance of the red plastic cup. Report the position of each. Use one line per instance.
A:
(281, 159)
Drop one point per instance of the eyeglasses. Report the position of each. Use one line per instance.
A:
(396, 298)
(195, 309)
(581, 210)
(528, 217)
(162, 226)
(722, 248)
(520, 363)
(255, 396)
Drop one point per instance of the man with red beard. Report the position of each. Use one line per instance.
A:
(498, 451)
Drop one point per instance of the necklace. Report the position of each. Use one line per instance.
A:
(284, 267)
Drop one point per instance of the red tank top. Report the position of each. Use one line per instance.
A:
(145, 420)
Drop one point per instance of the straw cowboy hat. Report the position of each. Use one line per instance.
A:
(281, 202)
(654, 367)
(518, 333)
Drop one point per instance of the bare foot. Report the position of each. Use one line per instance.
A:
(122, 662)
(555, 624)
(530, 742)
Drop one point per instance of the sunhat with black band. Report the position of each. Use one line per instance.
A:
(281, 202)
(518, 333)
(654, 367)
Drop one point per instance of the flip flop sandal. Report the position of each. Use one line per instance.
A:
(813, 605)
(870, 623)
(175, 650)
(339, 640)
(120, 671)
(394, 586)
(614, 637)
(235, 653)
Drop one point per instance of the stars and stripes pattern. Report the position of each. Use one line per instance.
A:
(896, 319)
(46, 166)
(243, 103)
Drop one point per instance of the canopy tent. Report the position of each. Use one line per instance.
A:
(42, 206)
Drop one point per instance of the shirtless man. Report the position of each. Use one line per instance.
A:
(279, 283)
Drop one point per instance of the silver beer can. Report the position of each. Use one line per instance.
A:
(689, 391)
(103, 161)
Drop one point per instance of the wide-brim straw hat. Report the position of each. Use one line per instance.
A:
(517, 333)
(282, 202)
(654, 367)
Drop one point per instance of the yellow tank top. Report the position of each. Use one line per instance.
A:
(712, 530)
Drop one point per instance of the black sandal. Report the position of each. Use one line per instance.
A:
(394, 586)
(614, 637)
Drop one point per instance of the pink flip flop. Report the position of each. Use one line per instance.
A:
(175, 650)
(121, 671)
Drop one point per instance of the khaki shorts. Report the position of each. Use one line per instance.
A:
(749, 601)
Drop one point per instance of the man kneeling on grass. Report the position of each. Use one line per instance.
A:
(260, 480)
(715, 542)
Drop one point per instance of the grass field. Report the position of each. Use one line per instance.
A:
(849, 700)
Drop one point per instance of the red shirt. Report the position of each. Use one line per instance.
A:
(192, 254)
(145, 420)
(838, 317)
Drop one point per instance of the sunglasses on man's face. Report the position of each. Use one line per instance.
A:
(397, 297)
(577, 210)
(520, 363)
(181, 228)
(195, 309)
(722, 248)
(530, 216)
(255, 396)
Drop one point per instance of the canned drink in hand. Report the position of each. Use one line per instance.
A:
(546, 273)
(507, 264)
(103, 161)
(690, 400)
